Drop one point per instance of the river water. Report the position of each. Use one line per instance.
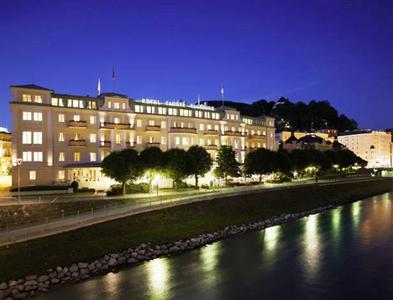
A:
(344, 253)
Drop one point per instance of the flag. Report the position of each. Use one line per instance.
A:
(222, 91)
(99, 86)
(113, 73)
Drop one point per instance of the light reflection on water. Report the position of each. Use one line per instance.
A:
(323, 250)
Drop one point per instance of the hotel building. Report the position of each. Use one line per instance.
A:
(61, 137)
(373, 146)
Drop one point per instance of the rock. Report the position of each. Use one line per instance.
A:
(31, 282)
(43, 278)
(131, 260)
(84, 271)
(3, 286)
(20, 295)
(112, 262)
(4, 293)
(74, 268)
(31, 277)
(121, 260)
(58, 269)
(54, 280)
(12, 283)
(83, 265)
(92, 267)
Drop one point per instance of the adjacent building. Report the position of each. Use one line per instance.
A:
(373, 146)
(62, 137)
(5, 152)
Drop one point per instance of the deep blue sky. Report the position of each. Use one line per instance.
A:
(341, 51)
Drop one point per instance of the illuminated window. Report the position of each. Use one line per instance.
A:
(138, 139)
(116, 105)
(109, 104)
(177, 140)
(26, 116)
(123, 106)
(75, 103)
(37, 137)
(55, 101)
(138, 123)
(77, 156)
(77, 118)
(93, 137)
(61, 137)
(93, 156)
(92, 120)
(163, 140)
(32, 175)
(201, 142)
(37, 116)
(26, 98)
(37, 156)
(148, 109)
(61, 118)
(185, 140)
(151, 123)
(38, 99)
(61, 156)
(163, 124)
(26, 137)
(61, 175)
(116, 120)
(201, 127)
(26, 156)
(117, 138)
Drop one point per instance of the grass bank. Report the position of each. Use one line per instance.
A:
(172, 224)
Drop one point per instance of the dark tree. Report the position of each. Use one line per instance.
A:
(282, 162)
(177, 165)
(259, 162)
(227, 163)
(200, 162)
(122, 166)
(152, 159)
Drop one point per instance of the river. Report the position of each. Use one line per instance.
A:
(344, 253)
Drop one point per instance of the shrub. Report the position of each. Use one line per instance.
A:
(75, 186)
(131, 188)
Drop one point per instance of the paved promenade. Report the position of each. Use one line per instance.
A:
(151, 204)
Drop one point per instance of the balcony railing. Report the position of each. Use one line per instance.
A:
(183, 130)
(153, 144)
(211, 147)
(233, 133)
(153, 128)
(77, 143)
(211, 132)
(255, 136)
(109, 125)
(105, 144)
(73, 123)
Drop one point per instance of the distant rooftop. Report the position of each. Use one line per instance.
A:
(32, 86)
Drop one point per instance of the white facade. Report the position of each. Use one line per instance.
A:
(374, 147)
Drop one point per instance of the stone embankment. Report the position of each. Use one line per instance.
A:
(33, 284)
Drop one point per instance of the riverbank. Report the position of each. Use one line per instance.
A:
(170, 231)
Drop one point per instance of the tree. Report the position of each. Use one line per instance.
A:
(122, 166)
(259, 162)
(200, 162)
(152, 160)
(177, 165)
(281, 162)
(227, 163)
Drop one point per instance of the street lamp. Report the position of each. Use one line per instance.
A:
(18, 163)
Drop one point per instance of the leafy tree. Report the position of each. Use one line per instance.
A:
(152, 158)
(227, 163)
(200, 162)
(177, 165)
(259, 162)
(282, 162)
(300, 160)
(122, 166)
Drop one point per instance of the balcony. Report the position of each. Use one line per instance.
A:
(211, 132)
(78, 124)
(255, 136)
(105, 144)
(153, 144)
(153, 128)
(77, 143)
(120, 126)
(211, 147)
(233, 133)
(183, 130)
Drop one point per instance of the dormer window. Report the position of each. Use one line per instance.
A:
(116, 105)
(37, 99)
(26, 98)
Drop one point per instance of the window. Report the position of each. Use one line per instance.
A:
(177, 140)
(151, 123)
(37, 116)
(38, 99)
(163, 140)
(26, 156)
(61, 156)
(61, 175)
(201, 127)
(75, 103)
(138, 139)
(138, 123)
(32, 175)
(37, 137)
(93, 137)
(185, 140)
(163, 124)
(77, 118)
(116, 105)
(26, 116)
(26, 98)
(201, 142)
(117, 138)
(26, 137)
(123, 106)
(116, 120)
(77, 156)
(92, 120)
(37, 156)
(148, 109)
(61, 137)
(109, 104)
(93, 156)
(61, 118)
(151, 139)
(55, 101)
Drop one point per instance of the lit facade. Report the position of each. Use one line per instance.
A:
(373, 146)
(5, 153)
(63, 137)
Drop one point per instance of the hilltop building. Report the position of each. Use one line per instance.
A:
(62, 137)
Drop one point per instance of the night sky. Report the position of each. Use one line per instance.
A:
(341, 51)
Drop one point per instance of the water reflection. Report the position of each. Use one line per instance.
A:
(311, 246)
(209, 257)
(356, 210)
(270, 238)
(158, 278)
